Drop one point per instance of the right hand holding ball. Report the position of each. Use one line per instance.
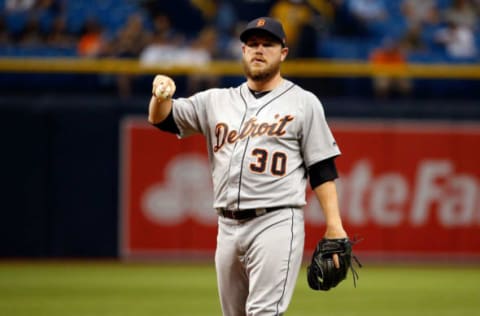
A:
(163, 87)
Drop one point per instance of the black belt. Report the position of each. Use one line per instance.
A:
(248, 213)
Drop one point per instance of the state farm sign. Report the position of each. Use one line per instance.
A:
(389, 199)
(407, 188)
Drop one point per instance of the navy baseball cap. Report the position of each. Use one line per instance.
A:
(266, 24)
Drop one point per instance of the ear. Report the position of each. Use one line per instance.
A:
(284, 53)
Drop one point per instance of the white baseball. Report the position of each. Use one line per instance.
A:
(164, 87)
(161, 91)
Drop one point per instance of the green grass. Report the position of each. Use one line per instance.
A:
(116, 289)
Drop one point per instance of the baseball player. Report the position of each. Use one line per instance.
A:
(265, 138)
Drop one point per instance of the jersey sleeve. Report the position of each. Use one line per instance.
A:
(317, 139)
(189, 114)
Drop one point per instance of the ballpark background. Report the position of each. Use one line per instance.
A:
(103, 214)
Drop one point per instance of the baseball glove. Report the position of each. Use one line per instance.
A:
(322, 273)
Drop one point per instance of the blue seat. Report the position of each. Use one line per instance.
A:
(7, 51)
(15, 22)
(429, 57)
(338, 48)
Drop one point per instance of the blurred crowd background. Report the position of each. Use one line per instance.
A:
(196, 32)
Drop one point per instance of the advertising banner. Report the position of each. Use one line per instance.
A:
(409, 189)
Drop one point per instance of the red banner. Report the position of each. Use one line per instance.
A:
(408, 189)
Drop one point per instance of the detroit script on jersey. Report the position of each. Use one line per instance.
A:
(258, 148)
(252, 128)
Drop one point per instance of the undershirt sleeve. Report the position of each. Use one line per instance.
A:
(168, 124)
(322, 171)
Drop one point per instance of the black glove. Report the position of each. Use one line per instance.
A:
(322, 273)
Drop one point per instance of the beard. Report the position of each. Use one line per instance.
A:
(261, 74)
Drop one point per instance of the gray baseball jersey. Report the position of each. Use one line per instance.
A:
(258, 148)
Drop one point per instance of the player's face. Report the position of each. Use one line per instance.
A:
(262, 56)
